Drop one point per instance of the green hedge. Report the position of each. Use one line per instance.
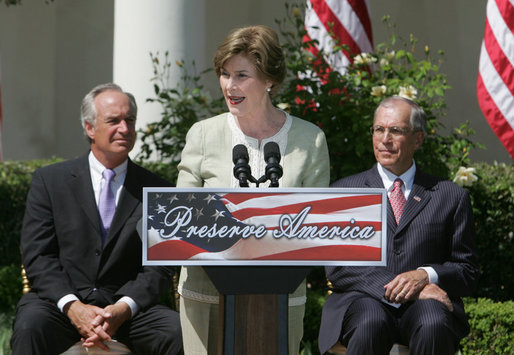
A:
(14, 184)
(493, 206)
(492, 327)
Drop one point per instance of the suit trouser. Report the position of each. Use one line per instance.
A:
(426, 326)
(41, 328)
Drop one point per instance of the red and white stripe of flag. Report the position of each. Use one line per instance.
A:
(495, 83)
(339, 21)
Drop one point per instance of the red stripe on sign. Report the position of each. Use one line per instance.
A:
(237, 198)
(333, 252)
(317, 207)
(173, 250)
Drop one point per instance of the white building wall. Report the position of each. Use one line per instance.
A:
(50, 55)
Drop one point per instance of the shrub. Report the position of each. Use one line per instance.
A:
(491, 325)
(10, 287)
(315, 300)
(182, 106)
(493, 206)
(5, 333)
(15, 180)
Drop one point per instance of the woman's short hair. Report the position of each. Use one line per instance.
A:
(88, 109)
(261, 45)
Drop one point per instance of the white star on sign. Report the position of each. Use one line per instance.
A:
(160, 209)
(198, 213)
(172, 198)
(209, 198)
(218, 214)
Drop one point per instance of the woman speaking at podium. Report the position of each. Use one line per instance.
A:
(250, 67)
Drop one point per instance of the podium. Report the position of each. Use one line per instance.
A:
(254, 307)
(240, 236)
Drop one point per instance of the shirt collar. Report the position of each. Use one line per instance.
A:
(388, 177)
(97, 168)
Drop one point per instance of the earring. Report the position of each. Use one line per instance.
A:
(268, 89)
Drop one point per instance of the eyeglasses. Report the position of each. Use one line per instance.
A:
(395, 132)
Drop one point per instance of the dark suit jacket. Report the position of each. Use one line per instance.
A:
(61, 238)
(436, 229)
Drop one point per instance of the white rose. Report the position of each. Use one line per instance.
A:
(409, 92)
(284, 106)
(465, 176)
(390, 55)
(378, 90)
(364, 58)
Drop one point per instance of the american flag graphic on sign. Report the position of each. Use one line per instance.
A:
(263, 226)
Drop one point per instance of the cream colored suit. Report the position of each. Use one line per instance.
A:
(207, 161)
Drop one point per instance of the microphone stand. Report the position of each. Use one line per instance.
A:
(253, 292)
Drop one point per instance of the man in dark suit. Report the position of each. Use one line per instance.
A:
(431, 254)
(81, 250)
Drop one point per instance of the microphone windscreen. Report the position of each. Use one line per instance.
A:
(239, 152)
(271, 149)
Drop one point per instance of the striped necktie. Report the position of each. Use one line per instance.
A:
(397, 199)
(106, 202)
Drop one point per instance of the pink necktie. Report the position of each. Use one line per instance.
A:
(397, 199)
(106, 202)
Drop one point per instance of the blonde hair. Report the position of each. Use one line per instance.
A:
(261, 45)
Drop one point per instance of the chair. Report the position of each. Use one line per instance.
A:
(115, 348)
(397, 349)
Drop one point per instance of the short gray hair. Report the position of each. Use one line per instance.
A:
(88, 109)
(418, 117)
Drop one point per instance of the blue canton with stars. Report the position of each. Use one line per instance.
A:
(207, 209)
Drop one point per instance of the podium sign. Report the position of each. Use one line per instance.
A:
(264, 226)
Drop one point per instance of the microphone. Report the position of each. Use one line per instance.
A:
(242, 171)
(272, 158)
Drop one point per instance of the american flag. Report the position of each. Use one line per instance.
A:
(197, 238)
(495, 83)
(339, 22)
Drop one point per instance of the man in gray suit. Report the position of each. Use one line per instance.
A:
(81, 250)
(431, 254)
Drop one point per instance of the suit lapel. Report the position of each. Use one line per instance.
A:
(82, 188)
(418, 199)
